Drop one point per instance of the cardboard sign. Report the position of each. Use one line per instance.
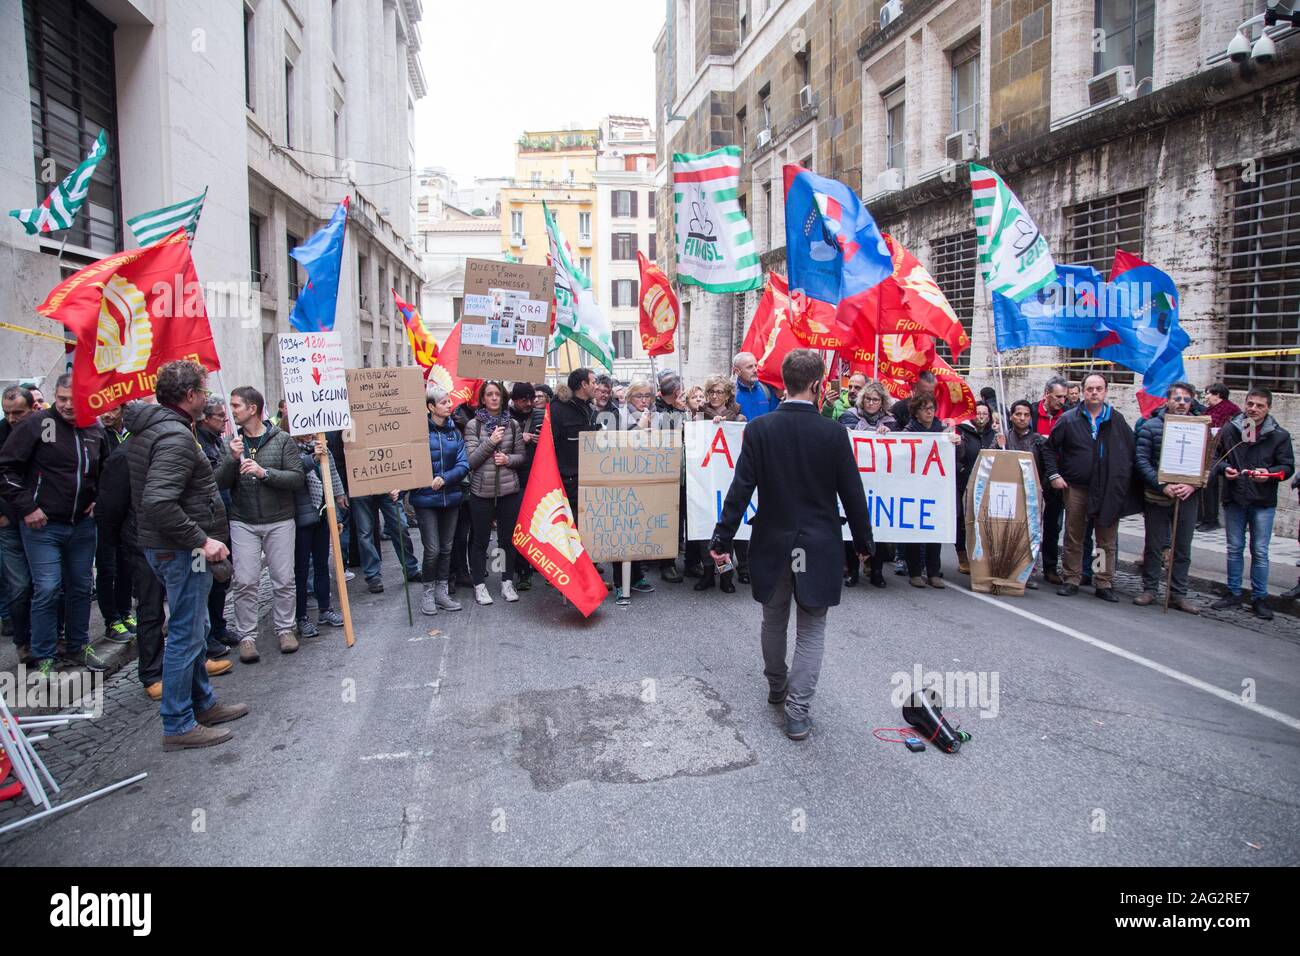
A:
(1185, 450)
(387, 447)
(1003, 521)
(909, 480)
(314, 382)
(505, 320)
(629, 484)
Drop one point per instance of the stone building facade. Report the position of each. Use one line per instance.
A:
(1193, 168)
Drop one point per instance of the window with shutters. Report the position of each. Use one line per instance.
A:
(624, 245)
(290, 95)
(623, 203)
(1094, 230)
(255, 247)
(623, 293)
(653, 252)
(71, 73)
(954, 271)
(516, 223)
(622, 343)
(650, 203)
(584, 264)
(248, 59)
(291, 267)
(1261, 270)
(584, 225)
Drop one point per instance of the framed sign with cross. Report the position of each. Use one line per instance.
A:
(1185, 451)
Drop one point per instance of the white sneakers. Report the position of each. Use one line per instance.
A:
(508, 591)
(481, 594)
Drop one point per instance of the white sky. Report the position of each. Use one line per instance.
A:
(498, 67)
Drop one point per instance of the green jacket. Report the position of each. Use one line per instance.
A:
(263, 500)
(833, 410)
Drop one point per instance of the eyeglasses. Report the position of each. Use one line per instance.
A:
(716, 391)
(872, 398)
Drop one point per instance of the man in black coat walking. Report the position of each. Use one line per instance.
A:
(800, 463)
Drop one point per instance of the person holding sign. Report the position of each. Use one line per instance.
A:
(802, 466)
(924, 561)
(494, 446)
(1158, 507)
(1257, 459)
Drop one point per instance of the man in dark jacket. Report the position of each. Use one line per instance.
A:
(926, 383)
(114, 586)
(49, 473)
(800, 464)
(1158, 508)
(211, 431)
(1044, 417)
(18, 404)
(180, 526)
(1255, 456)
(1093, 445)
(568, 420)
(263, 471)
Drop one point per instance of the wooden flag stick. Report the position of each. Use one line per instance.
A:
(340, 574)
(1173, 544)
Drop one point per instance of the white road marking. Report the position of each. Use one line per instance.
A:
(1156, 666)
(401, 755)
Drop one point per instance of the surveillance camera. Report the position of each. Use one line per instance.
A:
(1238, 48)
(1264, 49)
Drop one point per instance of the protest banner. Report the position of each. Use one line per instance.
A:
(1003, 521)
(909, 479)
(505, 320)
(629, 484)
(314, 383)
(1185, 451)
(387, 448)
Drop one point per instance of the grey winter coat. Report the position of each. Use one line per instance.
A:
(486, 478)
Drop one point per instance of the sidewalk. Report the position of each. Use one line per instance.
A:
(1210, 557)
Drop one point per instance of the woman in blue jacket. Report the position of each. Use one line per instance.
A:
(438, 506)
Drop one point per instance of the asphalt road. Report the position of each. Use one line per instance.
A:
(521, 734)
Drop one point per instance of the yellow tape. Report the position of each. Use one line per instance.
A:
(1258, 353)
(26, 331)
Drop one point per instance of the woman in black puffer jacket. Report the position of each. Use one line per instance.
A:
(984, 432)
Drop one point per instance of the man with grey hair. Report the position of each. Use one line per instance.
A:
(802, 467)
(755, 398)
(49, 473)
(18, 404)
(1042, 418)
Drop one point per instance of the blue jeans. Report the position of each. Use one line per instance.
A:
(186, 688)
(363, 522)
(62, 559)
(1260, 523)
(18, 583)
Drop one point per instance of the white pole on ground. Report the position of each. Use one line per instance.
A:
(72, 803)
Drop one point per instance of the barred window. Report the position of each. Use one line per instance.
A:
(954, 271)
(1262, 256)
(1095, 229)
(74, 96)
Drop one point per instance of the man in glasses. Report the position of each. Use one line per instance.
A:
(1158, 507)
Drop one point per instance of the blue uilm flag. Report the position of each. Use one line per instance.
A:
(1142, 326)
(1064, 313)
(322, 257)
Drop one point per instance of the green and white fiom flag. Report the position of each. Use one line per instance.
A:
(1013, 254)
(64, 201)
(149, 227)
(715, 246)
(577, 316)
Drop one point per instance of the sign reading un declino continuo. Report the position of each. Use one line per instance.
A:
(315, 382)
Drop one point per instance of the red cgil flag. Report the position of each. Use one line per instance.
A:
(131, 313)
(659, 309)
(770, 337)
(443, 372)
(902, 360)
(547, 535)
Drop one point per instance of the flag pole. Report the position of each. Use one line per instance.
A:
(340, 574)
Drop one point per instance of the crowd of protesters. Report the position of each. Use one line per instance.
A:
(123, 507)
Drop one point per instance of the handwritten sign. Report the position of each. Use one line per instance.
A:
(628, 494)
(506, 320)
(314, 382)
(908, 479)
(387, 447)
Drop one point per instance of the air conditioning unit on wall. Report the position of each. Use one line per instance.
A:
(890, 181)
(764, 139)
(806, 98)
(1116, 83)
(962, 146)
(890, 12)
